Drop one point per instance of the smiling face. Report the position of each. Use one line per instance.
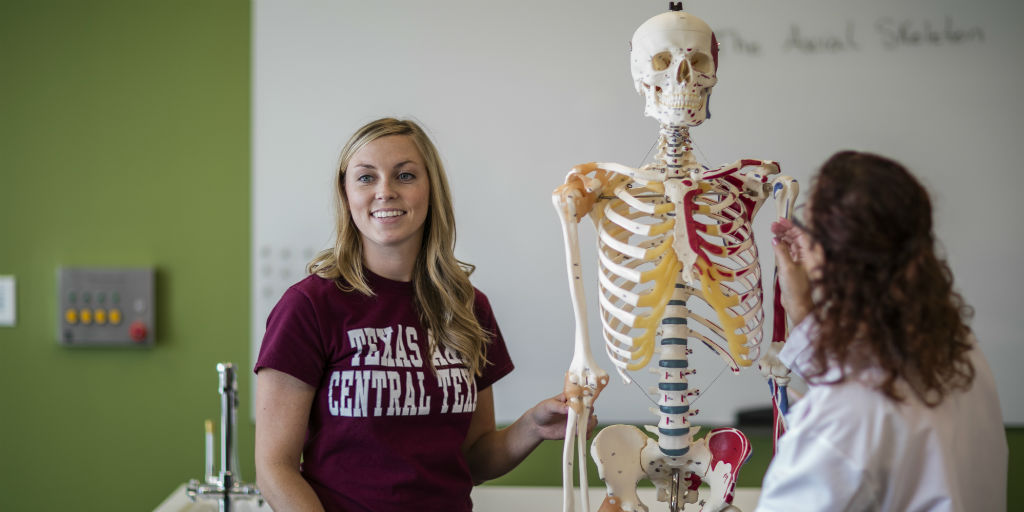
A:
(388, 193)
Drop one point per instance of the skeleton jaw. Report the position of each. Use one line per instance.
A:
(676, 99)
(675, 107)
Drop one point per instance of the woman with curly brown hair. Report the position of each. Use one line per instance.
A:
(901, 413)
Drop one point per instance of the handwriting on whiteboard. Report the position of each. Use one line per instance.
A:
(887, 33)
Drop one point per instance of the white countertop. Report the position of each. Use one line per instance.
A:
(486, 498)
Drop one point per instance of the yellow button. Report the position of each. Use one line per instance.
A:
(115, 316)
(71, 316)
(101, 316)
(86, 316)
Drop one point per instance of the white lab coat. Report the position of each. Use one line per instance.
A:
(850, 448)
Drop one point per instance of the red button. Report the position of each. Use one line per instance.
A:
(138, 331)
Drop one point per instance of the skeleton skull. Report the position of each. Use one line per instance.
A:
(673, 58)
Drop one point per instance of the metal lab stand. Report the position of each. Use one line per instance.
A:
(227, 486)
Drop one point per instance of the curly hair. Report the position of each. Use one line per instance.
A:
(886, 299)
(444, 295)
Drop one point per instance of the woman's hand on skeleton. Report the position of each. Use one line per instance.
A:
(551, 415)
(798, 260)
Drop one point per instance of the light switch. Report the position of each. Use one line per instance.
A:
(7, 301)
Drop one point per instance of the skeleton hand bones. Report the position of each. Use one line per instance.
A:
(770, 365)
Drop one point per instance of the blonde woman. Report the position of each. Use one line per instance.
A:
(375, 372)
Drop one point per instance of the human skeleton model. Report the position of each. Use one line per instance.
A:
(674, 239)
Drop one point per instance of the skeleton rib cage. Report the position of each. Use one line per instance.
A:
(645, 288)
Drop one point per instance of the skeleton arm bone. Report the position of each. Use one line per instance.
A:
(572, 200)
(785, 190)
(584, 380)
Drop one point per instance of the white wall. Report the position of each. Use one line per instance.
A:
(516, 93)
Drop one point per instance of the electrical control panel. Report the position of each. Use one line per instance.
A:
(111, 307)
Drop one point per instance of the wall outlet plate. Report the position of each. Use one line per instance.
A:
(8, 302)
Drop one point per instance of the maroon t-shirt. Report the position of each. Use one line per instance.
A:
(385, 432)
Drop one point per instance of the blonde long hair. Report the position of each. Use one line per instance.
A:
(444, 295)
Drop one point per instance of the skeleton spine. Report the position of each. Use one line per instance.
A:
(673, 388)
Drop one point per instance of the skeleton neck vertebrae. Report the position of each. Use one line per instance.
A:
(675, 150)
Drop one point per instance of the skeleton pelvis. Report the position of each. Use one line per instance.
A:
(617, 452)
(624, 455)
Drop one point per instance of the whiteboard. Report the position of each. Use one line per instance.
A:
(516, 93)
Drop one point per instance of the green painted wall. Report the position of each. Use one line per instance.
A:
(124, 141)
